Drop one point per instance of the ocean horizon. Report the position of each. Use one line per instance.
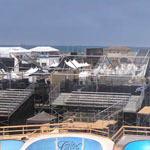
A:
(67, 49)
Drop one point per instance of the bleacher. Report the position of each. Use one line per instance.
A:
(12, 99)
(141, 57)
(90, 99)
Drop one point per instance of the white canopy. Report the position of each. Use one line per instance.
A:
(74, 64)
(30, 71)
(44, 49)
(70, 64)
(7, 51)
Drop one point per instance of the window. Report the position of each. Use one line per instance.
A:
(43, 64)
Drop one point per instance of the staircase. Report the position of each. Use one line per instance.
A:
(12, 99)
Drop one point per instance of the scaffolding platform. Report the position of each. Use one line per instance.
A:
(105, 123)
(145, 110)
(98, 124)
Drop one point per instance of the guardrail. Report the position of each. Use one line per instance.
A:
(27, 131)
(112, 110)
(131, 130)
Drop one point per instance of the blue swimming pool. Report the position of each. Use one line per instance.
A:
(10, 144)
(65, 143)
(138, 145)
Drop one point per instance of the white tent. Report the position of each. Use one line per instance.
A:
(74, 64)
(30, 71)
(8, 51)
(44, 49)
(70, 64)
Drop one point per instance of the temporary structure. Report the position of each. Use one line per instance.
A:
(74, 64)
(41, 117)
(43, 49)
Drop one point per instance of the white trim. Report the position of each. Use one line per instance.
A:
(106, 143)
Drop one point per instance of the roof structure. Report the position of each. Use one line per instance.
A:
(74, 64)
(119, 48)
(42, 117)
(7, 51)
(44, 49)
(13, 49)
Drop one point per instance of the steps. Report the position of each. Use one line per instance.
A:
(99, 99)
(12, 99)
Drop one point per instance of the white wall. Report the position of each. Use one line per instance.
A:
(48, 61)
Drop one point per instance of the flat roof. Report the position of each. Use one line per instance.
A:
(44, 49)
(13, 50)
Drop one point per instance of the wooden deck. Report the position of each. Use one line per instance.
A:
(145, 110)
(127, 134)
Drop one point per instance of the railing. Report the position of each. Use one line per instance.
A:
(111, 111)
(8, 132)
(131, 130)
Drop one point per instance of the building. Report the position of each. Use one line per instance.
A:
(117, 50)
(42, 51)
(94, 51)
(8, 52)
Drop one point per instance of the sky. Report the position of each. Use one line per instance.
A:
(75, 22)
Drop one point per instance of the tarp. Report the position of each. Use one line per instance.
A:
(42, 117)
(30, 71)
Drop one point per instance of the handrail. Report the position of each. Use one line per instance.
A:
(122, 102)
(131, 130)
(28, 130)
(118, 134)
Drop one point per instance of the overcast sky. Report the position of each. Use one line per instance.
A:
(75, 22)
